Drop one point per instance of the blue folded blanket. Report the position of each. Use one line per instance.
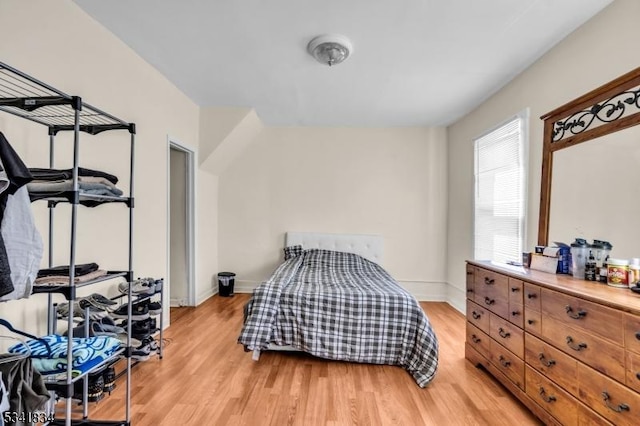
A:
(87, 353)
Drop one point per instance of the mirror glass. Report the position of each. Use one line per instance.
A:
(595, 192)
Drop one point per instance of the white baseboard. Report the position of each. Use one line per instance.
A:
(457, 298)
(243, 286)
(175, 302)
(425, 291)
(205, 295)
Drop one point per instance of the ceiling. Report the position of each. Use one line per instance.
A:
(414, 62)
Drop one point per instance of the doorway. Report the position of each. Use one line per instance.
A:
(181, 225)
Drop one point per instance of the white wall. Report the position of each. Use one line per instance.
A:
(390, 182)
(58, 43)
(599, 51)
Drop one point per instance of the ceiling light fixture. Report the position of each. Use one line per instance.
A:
(330, 49)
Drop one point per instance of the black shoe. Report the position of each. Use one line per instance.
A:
(109, 377)
(139, 311)
(95, 390)
(155, 308)
(141, 353)
(140, 329)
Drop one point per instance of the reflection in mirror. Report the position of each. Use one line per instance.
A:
(595, 192)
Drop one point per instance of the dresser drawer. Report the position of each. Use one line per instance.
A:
(597, 319)
(600, 354)
(507, 334)
(551, 362)
(588, 417)
(516, 314)
(497, 305)
(491, 285)
(478, 316)
(615, 402)
(632, 333)
(470, 284)
(633, 370)
(475, 357)
(553, 399)
(508, 363)
(478, 340)
(516, 289)
(532, 321)
(531, 296)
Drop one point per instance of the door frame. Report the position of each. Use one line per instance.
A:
(173, 143)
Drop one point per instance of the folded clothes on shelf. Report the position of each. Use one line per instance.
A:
(79, 269)
(87, 353)
(56, 280)
(62, 174)
(42, 188)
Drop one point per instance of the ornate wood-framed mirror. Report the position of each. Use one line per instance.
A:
(608, 109)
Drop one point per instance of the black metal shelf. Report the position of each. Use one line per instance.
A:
(26, 97)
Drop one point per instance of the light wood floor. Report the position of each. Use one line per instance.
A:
(206, 378)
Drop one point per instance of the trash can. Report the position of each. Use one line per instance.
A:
(225, 283)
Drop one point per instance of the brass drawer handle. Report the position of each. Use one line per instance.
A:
(578, 348)
(530, 322)
(475, 339)
(469, 290)
(545, 362)
(543, 395)
(504, 362)
(489, 281)
(638, 376)
(469, 272)
(578, 315)
(638, 335)
(531, 295)
(503, 334)
(515, 313)
(619, 409)
(515, 289)
(476, 315)
(489, 301)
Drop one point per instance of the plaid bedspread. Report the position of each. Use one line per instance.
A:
(341, 306)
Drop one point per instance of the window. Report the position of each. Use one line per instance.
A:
(500, 191)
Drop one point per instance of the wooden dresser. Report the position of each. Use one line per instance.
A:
(568, 349)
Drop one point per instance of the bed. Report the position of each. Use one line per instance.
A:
(333, 300)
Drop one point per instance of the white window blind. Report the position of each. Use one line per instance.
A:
(500, 177)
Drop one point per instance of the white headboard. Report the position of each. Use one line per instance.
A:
(367, 246)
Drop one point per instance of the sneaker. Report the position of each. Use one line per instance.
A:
(95, 329)
(123, 339)
(159, 285)
(95, 390)
(109, 325)
(109, 378)
(138, 287)
(155, 308)
(153, 344)
(139, 311)
(141, 353)
(139, 329)
(99, 301)
(79, 310)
